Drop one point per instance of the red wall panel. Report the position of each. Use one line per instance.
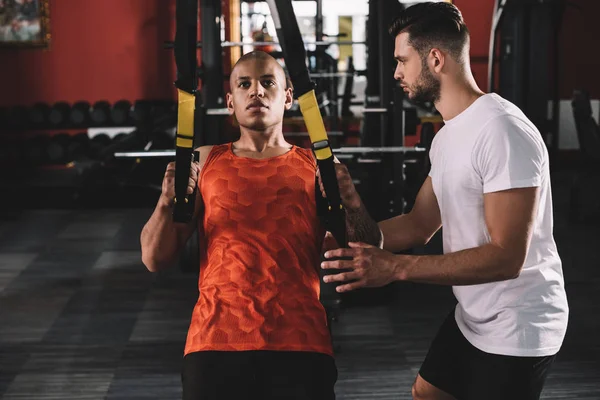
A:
(112, 49)
(100, 50)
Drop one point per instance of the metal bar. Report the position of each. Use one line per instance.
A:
(145, 154)
(169, 44)
(330, 74)
(316, 43)
(374, 110)
(319, 21)
(340, 150)
(391, 149)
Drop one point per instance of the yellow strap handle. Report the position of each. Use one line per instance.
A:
(314, 123)
(185, 119)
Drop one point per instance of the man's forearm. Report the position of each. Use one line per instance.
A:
(361, 227)
(401, 233)
(487, 263)
(161, 239)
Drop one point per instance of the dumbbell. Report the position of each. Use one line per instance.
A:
(37, 116)
(120, 114)
(80, 115)
(57, 149)
(59, 114)
(164, 107)
(98, 143)
(142, 112)
(100, 114)
(79, 147)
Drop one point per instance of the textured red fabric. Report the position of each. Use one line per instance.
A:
(259, 273)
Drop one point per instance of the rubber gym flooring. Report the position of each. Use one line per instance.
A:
(81, 318)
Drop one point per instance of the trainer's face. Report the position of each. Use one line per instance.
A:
(414, 75)
(258, 95)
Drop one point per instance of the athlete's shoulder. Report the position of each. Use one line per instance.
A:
(307, 155)
(211, 150)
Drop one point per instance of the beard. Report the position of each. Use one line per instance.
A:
(427, 88)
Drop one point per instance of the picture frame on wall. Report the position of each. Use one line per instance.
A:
(24, 23)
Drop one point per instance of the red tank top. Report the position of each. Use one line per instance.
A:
(259, 272)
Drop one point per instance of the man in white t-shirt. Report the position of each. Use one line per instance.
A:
(489, 187)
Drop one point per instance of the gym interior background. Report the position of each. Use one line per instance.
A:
(86, 87)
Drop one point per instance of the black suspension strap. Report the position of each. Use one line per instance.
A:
(294, 55)
(186, 36)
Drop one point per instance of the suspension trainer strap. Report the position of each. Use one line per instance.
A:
(186, 36)
(294, 55)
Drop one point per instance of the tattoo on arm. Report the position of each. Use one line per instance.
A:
(361, 227)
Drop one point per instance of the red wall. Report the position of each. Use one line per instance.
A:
(100, 50)
(112, 49)
(478, 17)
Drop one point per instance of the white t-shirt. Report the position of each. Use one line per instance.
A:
(492, 146)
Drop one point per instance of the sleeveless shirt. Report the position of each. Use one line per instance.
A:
(260, 244)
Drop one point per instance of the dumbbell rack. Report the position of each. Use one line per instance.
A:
(66, 149)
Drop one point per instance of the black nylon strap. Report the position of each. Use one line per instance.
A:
(186, 36)
(294, 55)
(292, 45)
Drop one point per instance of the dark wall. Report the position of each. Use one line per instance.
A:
(579, 58)
(579, 55)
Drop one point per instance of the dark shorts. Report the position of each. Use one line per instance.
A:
(264, 375)
(455, 366)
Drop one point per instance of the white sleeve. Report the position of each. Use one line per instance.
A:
(509, 154)
(431, 155)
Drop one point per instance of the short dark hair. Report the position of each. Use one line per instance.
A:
(433, 24)
(261, 55)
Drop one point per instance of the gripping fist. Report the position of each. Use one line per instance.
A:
(168, 183)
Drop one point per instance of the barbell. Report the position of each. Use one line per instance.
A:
(340, 150)
(170, 44)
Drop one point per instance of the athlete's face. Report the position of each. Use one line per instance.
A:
(258, 95)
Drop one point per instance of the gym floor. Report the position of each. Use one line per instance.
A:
(81, 318)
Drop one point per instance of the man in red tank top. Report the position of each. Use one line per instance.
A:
(258, 329)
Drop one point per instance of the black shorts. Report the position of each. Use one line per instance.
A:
(264, 375)
(455, 366)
